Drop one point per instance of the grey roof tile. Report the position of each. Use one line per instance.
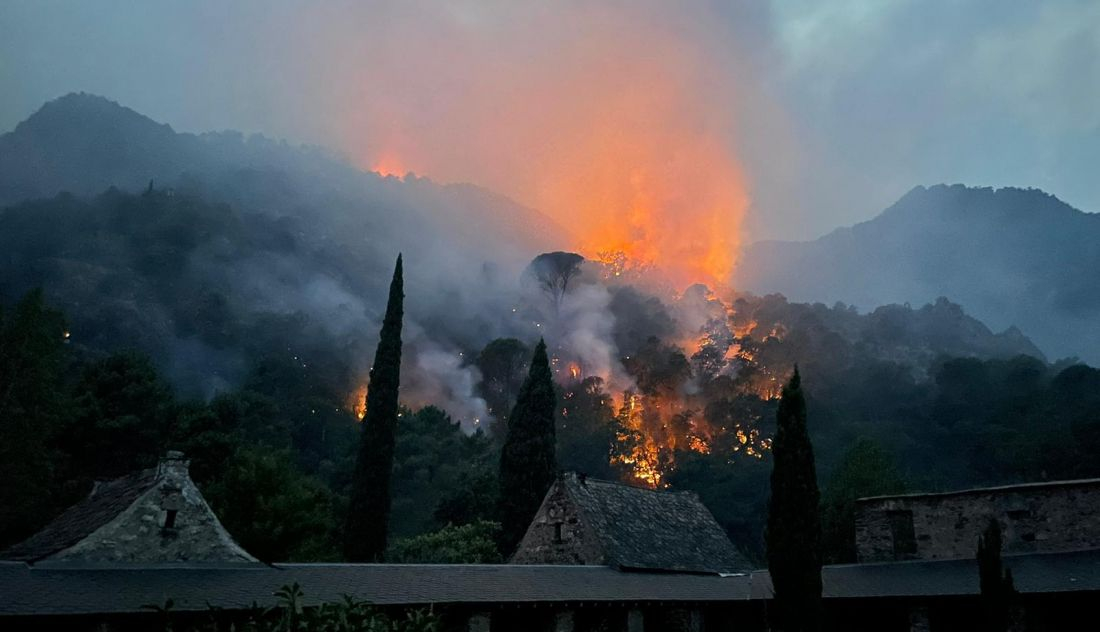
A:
(107, 500)
(63, 589)
(1032, 573)
(656, 530)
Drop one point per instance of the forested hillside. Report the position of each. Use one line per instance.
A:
(1010, 257)
(154, 297)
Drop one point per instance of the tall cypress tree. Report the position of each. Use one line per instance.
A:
(528, 463)
(794, 524)
(995, 581)
(369, 506)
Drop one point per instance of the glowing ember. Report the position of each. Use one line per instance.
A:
(699, 445)
(357, 402)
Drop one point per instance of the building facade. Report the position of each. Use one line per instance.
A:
(1034, 518)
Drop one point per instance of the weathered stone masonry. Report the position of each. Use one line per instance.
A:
(1035, 518)
(153, 516)
(558, 535)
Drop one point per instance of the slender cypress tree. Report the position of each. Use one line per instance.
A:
(528, 463)
(369, 506)
(995, 581)
(794, 524)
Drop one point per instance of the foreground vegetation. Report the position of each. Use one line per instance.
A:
(290, 615)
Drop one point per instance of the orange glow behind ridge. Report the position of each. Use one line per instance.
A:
(619, 128)
(617, 123)
(388, 165)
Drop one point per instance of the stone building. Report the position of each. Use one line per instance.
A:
(152, 516)
(598, 556)
(1035, 518)
(593, 522)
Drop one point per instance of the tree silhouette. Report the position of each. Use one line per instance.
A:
(503, 366)
(553, 271)
(794, 526)
(369, 506)
(995, 581)
(528, 463)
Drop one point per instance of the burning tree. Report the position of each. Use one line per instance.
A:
(553, 271)
(369, 507)
(528, 463)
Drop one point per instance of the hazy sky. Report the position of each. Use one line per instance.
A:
(825, 112)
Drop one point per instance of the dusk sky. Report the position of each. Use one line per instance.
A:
(801, 116)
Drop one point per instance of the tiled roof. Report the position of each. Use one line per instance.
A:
(1000, 489)
(54, 588)
(106, 501)
(654, 530)
(1031, 573)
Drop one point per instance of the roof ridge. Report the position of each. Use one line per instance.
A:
(992, 488)
(652, 529)
(82, 518)
(604, 481)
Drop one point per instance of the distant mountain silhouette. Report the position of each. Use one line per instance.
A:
(83, 144)
(245, 245)
(1011, 257)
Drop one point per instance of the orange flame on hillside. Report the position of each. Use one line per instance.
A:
(388, 165)
(357, 402)
(677, 214)
(639, 449)
(620, 128)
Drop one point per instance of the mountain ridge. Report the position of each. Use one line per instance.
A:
(1010, 256)
(84, 144)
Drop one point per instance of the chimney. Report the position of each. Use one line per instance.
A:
(582, 477)
(173, 466)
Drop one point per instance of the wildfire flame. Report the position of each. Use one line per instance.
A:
(357, 402)
(600, 127)
(642, 454)
(652, 428)
(388, 165)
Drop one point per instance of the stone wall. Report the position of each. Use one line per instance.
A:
(1038, 518)
(557, 535)
(169, 523)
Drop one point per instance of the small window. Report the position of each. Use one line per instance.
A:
(557, 533)
(901, 529)
(170, 519)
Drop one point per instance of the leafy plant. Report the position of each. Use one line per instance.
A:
(291, 614)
